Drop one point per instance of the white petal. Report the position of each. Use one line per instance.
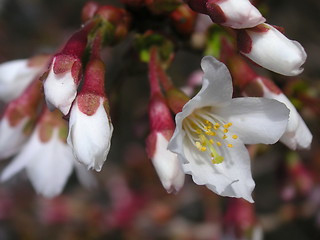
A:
(240, 14)
(274, 51)
(297, 134)
(230, 178)
(11, 138)
(256, 120)
(60, 90)
(167, 165)
(90, 136)
(15, 76)
(50, 169)
(29, 152)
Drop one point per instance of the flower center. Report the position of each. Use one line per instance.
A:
(208, 133)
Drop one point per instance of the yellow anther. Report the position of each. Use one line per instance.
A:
(229, 124)
(198, 145)
(234, 136)
(198, 130)
(224, 137)
(207, 122)
(230, 145)
(203, 149)
(225, 130)
(225, 125)
(217, 125)
(219, 144)
(211, 141)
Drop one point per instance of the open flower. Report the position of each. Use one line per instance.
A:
(272, 50)
(16, 75)
(47, 158)
(213, 127)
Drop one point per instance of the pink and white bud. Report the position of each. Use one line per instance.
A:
(16, 75)
(297, 135)
(165, 162)
(234, 13)
(63, 77)
(90, 128)
(61, 84)
(18, 120)
(269, 48)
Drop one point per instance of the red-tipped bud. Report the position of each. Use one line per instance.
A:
(90, 127)
(166, 163)
(183, 19)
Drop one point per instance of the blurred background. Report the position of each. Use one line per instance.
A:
(129, 201)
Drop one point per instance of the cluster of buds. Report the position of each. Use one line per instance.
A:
(207, 139)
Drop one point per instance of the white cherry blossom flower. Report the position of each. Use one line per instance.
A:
(213, 127)
(15, 76)
(48, 164)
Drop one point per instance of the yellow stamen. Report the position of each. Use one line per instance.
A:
(219, 144)
(224, 136)
(234, 136)
(225, 130)
(230, 145)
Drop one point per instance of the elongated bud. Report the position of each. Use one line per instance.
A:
(236, 14)
(165, 162)
(269, 48)
(64, 74)
(90, 127)
(18, 120)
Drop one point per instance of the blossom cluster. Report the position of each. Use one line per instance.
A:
(69, 125)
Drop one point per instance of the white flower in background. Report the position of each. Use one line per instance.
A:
(61, 83)
(90, 132)
(297, 134)
(16, 75)
(18, 120)
(269, 48)
(47, 158)
(234, 13)
(48, 164)
(213, 127)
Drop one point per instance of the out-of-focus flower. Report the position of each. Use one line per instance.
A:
(90, 127)
(18, 120)
(213, 127)
(297, 134)
(46, 157)
(269, 48)
(234, 13)
(16, 75)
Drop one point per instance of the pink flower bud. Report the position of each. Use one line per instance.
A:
(165, 162)
(269, 48)
(90, 128)
(63, 77)
(234, 13)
